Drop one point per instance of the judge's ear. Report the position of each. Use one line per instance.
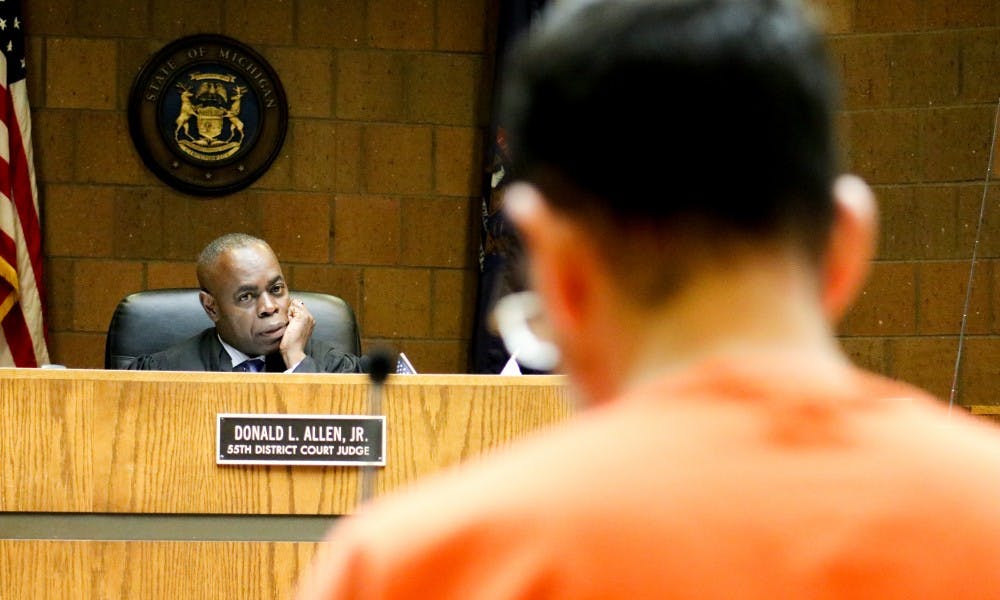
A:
(851, 245)
(208, 303)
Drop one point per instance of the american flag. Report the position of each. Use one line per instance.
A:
(404, 366)
(23, 341)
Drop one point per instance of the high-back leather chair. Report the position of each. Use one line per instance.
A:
(153, 320)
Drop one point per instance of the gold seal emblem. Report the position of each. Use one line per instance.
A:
(207, 114)
(215, 107)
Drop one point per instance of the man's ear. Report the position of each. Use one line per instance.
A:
(851, 245)
(208, 303)
(558, 255)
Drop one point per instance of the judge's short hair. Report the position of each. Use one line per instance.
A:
(219, 246)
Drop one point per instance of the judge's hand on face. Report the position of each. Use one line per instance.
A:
(297, 332)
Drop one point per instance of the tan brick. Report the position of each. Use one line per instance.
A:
(961, 13)
(161, 275)
(432, 356)
(970, 208)
(343, 282)
(98, 286)
(842, 125)
(401, 24)
(461, 25)
(366, 230)
(34, 62)
(887, 304)
(370, 86)
(445, 88)
(176, 18)
(77, 350)
(279, 175)
(132, 56)
(896, 230)
(837, 16)
(439, 232)
(53, 138)
(75, 83)
(78, 220)
(259, 21)
(884, 145)
(995, 294)
(901, 15)
(996, 156)
(314, 155)
(454, 302)
(397, 159)
(337, 24)
(176, 215)
(980, 371)
(458, 161)
(866, 352)
(58, 276)
(104, 151)
(138, 231)
(864, 68)
(201, 220)
(942, 289)
(920, 222)
(927, 362)
(396, 303)
(56, 17)
(348, 165)
(307, 76)
(297, 226)
(925, 69)
(980, 55)
(114, 18)
(956, 143)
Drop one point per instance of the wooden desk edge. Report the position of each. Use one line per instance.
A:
(289, 378)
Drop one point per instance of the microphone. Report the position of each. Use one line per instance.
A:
(378, 365)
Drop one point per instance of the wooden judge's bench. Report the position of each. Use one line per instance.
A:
(110, 487)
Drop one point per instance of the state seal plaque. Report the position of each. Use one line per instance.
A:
(207, 115)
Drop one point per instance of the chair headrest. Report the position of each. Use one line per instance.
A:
(153, 320)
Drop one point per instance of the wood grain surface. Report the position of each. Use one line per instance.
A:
(144, 442)
(84, 570)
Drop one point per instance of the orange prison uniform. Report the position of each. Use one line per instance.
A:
(746, 479)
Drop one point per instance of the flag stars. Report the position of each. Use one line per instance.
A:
(17, 23)
(10, 46)
(3, 24)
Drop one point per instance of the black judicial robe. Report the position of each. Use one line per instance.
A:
(204, 352)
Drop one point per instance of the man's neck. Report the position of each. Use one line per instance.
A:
(762, 306)
(235, 355)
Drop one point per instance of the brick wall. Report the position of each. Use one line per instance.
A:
(921, 84)
(370, 198)
(373, 197)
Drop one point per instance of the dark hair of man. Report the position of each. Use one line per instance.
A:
(217, 248)
(667, 117)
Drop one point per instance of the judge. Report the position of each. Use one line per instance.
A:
(259, 326)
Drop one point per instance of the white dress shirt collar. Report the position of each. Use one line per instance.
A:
(235, 355)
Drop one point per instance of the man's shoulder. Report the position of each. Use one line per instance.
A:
(187, 355)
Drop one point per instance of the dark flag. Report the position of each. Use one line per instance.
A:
(499, 252)
(23, 341)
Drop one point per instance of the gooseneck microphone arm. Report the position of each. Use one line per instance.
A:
(378, 365)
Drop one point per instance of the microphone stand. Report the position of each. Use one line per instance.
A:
(378, 371)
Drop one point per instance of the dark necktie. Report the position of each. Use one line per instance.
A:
(254, 365)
